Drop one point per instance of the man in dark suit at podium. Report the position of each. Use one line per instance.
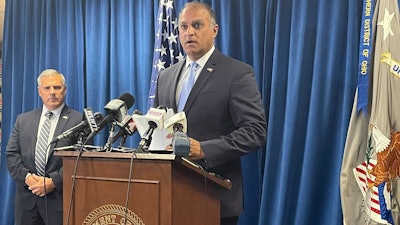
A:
(38, 195)
(224, 111)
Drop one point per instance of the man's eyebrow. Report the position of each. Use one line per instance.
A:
(48, 86)
(194, 21)
(197, 21)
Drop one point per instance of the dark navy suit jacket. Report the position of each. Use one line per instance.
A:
(20, 156)
(225, 113)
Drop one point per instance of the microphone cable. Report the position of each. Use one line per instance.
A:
(133, 156)
(74, 179)
(44, 186)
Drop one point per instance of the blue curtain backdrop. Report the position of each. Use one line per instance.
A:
(304, 53)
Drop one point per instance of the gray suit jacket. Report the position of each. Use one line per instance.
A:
(20, 155)
(225, 113)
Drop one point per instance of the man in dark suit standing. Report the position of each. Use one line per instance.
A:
(225, 115)
(38, 196)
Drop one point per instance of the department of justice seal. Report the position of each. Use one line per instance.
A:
(112, 214)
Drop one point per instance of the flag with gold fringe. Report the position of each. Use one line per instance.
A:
(370, 170)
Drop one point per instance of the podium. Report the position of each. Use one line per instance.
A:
(137, 189)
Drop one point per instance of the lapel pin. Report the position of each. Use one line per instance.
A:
(65, 117)
(210, 69)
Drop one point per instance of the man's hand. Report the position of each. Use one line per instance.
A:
(31, 180)
(36, 185)
(196, 153)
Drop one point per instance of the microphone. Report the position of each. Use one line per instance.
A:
(180, 142)
(127, 126)
(84, 135)
(155, 118)
(116, 106)
(89, 121)
(178, 119)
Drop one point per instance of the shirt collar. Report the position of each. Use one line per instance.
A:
(203, 60)
(56, 112)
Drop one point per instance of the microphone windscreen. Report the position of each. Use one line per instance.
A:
(178, 118)
(98, 117)
(128, 99)
(181, 144)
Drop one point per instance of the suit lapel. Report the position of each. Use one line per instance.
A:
(37, 115)
(62, 120)
(205, 74)
(175, 80)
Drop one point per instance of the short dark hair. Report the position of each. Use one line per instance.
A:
(201, 5)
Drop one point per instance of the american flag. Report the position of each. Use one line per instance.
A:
(374, 205)
(167, 48)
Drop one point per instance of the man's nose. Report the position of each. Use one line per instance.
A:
(190, 30)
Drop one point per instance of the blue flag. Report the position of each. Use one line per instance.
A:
(167, 48)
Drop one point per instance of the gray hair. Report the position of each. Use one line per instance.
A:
(49, 72)
(201, 5)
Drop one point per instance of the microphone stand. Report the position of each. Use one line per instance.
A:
(108, 145)
(122, 142)
(146, 140)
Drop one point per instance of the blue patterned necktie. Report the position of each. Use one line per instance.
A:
(41, 150)
(187, 87)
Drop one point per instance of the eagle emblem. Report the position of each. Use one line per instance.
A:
(387, 167)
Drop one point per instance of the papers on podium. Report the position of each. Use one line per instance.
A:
(161, 138)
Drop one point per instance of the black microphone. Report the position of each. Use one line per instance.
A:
(89, 121)
(115, 106)
(155, 118)
(127, 126)
(84, 134)
(123, 111)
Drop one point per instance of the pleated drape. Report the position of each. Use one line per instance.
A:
(304, 54)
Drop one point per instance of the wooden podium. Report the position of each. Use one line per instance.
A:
(99, 189)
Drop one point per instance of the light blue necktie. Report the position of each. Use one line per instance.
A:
(41, 150)
(187, 87)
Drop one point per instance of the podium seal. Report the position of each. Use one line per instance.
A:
(112, 214)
